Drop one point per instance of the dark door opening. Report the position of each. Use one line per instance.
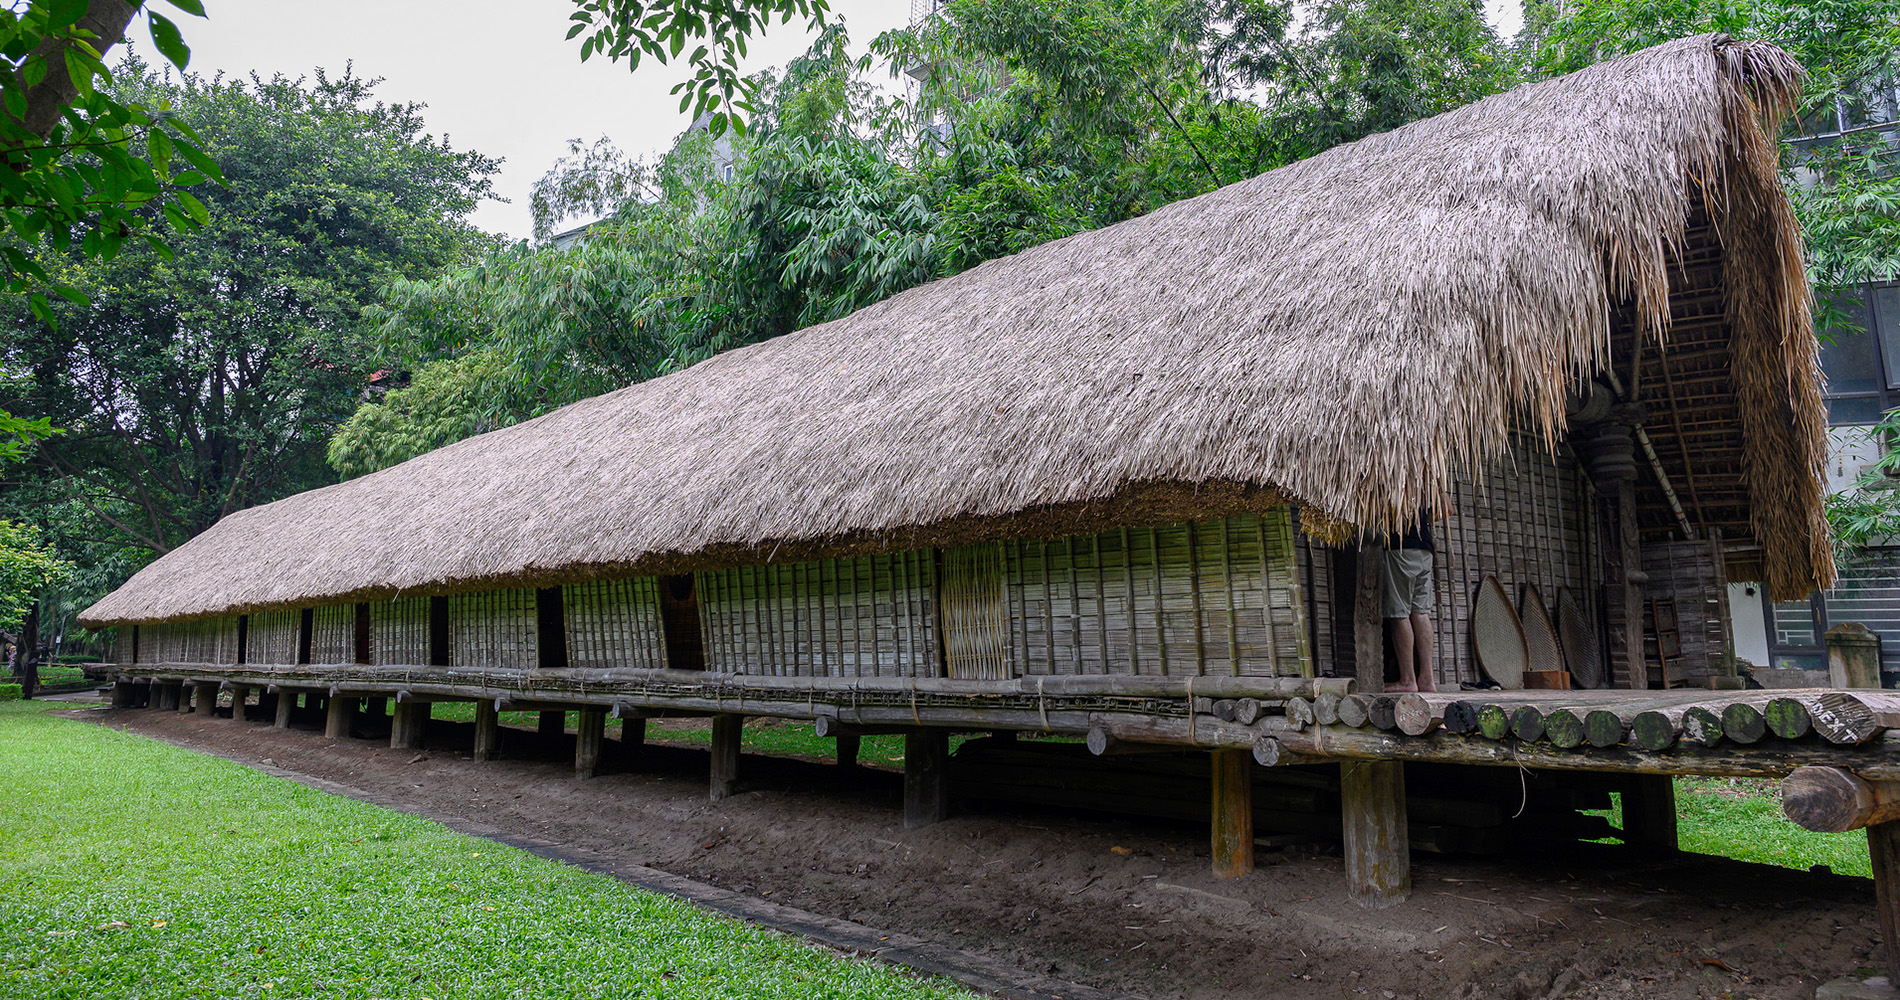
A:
(679, 617)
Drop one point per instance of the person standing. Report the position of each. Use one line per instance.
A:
(1408, 605)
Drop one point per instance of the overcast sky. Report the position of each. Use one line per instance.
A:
(498, 77)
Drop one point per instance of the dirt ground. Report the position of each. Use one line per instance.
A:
(1123, 905)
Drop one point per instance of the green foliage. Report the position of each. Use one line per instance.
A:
(11, 692)
(87, 168)
(446, 402)
(218, 879)
(197, 382)
(1868, 512)
(631, 30)
(1036, 119)
(1742, 819)
(18, 435)
(28, 567)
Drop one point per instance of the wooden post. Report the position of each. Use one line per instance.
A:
(848, 746)
(633, 736)
(1368, 620)
(926, 777)
(204, 698)
(286, 702)
(121, 694)
(408, 727)
(337, 717)
(1883, 849)
(1649, 812)
(1372, 810)
(591, 730)
(239, 694)
(551, 725)
(1232, 812)
(725, 754)
(487, 731)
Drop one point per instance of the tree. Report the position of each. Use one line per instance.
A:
(195, 383)
(1036, 119)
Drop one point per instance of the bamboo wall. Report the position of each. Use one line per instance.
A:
(271, 637)
(1208, 597)
(1526, 519)
(333, 634)
(207, 640)
(614, 624)
(399, 631)
(494, 628)
(872, 616)
(1315, 562)
(122, 643)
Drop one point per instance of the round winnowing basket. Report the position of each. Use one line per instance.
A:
(1540, 634)
(1582, 653)
(1497, 636)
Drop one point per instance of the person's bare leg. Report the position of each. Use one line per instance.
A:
(1422, 651)
(1399, 630)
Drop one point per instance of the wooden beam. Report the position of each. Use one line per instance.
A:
(1368, 620)
(1232, 812)
(487, 731)
(338, 715)
(1372, 813)
(1835, 800)
(725, 754)
(926, 777)
(828, 726)
(1649, 812)
(590, 728)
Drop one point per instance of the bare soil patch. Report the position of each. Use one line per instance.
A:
(1121, 904)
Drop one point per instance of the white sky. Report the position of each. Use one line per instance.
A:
(499, 77)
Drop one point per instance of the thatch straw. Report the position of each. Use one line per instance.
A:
(1346, 333)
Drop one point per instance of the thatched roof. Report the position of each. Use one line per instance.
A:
(1343, 333)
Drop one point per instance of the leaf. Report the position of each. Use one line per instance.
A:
(172, 44)
(189, 6)
(195, 207)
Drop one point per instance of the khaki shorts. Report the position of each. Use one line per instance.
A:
(1408, 582)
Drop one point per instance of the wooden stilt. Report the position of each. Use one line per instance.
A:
(408, 726)
(239, 695)
(926, 777)
(1372, 810)
(121, 694)
(1232, 809)
(204, 699)
(487, 731)
(183, 700)
(590, 728)
(848, 746)
(338, 715)
(1649, 812)
(1883, 849)
(725, 754)
(633, 736)
(286, 702)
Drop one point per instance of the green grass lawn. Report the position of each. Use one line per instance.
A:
(1741, 818)
(131, 868)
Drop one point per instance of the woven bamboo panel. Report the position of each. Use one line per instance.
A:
(271, 637)
(399, 631)
(1211, 597)
(1692, 572)
(122, 643)
(1316, 578)
(493, 628)
(1528, 519)
(207, 640)
(861, 617)
(333, 634)
(971, 594)
(614, 624)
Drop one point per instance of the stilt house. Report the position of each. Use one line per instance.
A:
(1088, 486)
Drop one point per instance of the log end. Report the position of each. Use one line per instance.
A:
(1603, 729)
(1826, 799)
(1564, 728)
(1652, 731)
(1461, 717)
